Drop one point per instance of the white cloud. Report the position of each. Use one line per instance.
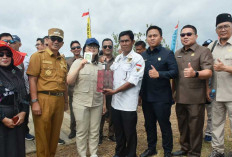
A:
(30, 19)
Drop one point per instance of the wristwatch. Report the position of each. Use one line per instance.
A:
(196, 73)
(34, 100)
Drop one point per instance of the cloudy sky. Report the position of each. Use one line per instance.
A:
(30, 19)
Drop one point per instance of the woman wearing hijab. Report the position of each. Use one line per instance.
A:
(88, 104)
(13, 107)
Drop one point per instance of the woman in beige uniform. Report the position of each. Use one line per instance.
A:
(88, 104)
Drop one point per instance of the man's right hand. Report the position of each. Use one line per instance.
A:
(36, 109)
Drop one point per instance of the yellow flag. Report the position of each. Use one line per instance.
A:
(88, 28)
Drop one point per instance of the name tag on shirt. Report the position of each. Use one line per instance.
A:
(47, 62)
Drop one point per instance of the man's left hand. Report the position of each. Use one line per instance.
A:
(109, 91)
(219, 66)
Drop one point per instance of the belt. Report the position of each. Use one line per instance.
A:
(52, 93)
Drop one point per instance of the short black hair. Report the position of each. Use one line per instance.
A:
(155, 27)
(41, 40)
(190, 26)
(74, 41)
(129, 33)
(45, 37)
(5, 35)
(142, 43)
(107, 39)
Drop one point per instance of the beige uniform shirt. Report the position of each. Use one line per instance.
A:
(85, 89)
(192, 90)
(222, 81)
(50, 70)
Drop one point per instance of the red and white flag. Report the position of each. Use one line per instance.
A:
(85, 14)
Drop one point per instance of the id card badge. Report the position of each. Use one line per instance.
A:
(88, 56)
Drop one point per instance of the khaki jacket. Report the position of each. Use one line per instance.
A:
(85, 89)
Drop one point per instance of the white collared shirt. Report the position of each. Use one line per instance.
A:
(130, 69)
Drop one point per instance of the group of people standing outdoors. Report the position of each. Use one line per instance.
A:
(139, 78)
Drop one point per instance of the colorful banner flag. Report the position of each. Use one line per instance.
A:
(174, 37)
(85, 14)
(88, 28)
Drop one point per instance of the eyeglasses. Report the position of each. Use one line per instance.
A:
(226, 27)
(77, 47)
(109, 46)
(9, 41)
(92, 47)
(55, 38)
(8, 54)
(184, 34)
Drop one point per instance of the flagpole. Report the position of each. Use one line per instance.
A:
(90, 19)
(90, 24)
(177, 36)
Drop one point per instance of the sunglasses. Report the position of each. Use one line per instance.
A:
(55, 38)
(8, 54)
(184, 34)
(77, 47)
(9, 41)
(109, 46)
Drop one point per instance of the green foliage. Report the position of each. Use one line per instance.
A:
(164, 44)
(116, 44)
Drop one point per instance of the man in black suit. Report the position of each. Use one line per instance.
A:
(160, 67)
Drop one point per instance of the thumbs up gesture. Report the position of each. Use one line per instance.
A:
(189, 72)
(153, 73)
(219, 66)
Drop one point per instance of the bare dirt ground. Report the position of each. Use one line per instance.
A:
(107, 148)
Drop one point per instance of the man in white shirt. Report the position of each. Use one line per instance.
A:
(128, 73)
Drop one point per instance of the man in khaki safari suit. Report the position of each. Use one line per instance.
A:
(47, 72)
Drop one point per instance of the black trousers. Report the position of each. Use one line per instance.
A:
(125, 132)
(72, 117)
(160, 112)
(12, 141)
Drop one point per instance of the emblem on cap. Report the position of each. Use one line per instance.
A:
(57, 32)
